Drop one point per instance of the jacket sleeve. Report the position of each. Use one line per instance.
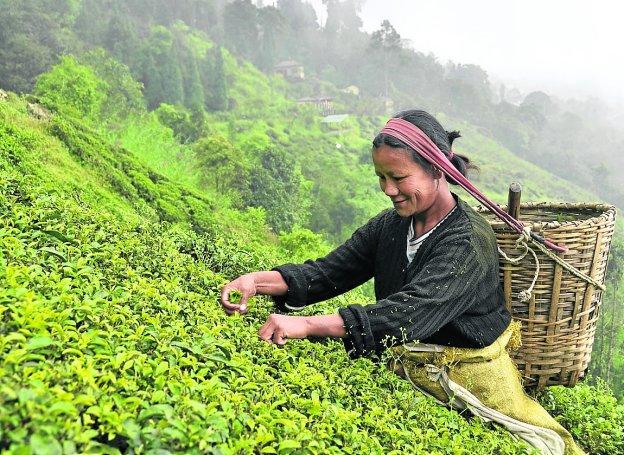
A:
(345, 268)
(443, 289)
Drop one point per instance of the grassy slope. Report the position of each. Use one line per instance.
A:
(111, 338)
(266, 115)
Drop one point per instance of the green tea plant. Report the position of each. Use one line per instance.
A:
(112, 339)
(590, 413)
(235, 296)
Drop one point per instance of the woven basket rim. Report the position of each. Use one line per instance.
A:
(604, 213)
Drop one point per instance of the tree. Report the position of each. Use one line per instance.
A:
(278, 186)
(272, 26)
(213, 80)
(121, 38)
(32, 35)
(302, 35)
(222, 166)
(240, 21)
(343, 20)
(540, 101)
(162, 76)
(468, 89)
(387, 42)
(186, 126)
(193, 90)
(123, 94)
(73, 88)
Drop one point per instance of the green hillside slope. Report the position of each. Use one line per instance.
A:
(112, 341)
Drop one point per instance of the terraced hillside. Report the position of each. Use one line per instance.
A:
(112, 341)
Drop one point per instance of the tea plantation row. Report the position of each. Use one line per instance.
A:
(112, 341)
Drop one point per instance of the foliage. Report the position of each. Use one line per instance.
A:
(187, 126)
(32, 35)
(278, 186)
(214, 80)
(591, 414)
(222, 165)
(112, 340)
(73, 87)
(300, 244)
(123, 94)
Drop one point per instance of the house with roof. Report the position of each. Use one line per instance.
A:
(290, 69)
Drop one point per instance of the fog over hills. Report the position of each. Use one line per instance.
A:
(564, 48)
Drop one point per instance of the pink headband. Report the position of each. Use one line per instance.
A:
(424, 146)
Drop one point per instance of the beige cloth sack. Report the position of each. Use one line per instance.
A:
(487, 383)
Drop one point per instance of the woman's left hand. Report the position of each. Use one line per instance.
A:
(278, 328)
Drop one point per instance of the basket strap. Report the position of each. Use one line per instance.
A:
(522, 243)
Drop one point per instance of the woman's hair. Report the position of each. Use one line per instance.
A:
(440, 137)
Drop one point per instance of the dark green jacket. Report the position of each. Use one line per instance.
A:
(449, 294)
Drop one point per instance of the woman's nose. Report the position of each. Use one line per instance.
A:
(390, 189)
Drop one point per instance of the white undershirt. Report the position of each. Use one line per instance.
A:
(414, 244)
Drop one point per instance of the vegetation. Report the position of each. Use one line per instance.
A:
(160, 157)
(112, 339)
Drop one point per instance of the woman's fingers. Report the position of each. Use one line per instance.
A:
(244, 288)
(266, 331)
(243, 303)
(231, 308)
(273, 332)
(279, 338)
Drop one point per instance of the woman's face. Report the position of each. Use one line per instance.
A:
(411, 189)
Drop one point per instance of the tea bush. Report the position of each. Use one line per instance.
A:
(590, 413)
(112, 340)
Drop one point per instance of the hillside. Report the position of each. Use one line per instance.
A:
(143, 166)
(112, 340)
(334, 158)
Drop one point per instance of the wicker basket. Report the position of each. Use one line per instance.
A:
(559, 320)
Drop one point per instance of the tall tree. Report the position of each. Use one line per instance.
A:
(240, 21)
(222, 165)
(162, 74)
(121, 37)
(213, 80)
(32, 35)
(278, 186)
(272, 28)
(386, 42)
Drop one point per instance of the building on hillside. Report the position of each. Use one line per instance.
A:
(336, 123)
(290, 69)
(323, 103)
(351, 90)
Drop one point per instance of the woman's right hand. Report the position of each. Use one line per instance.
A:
(246, 285)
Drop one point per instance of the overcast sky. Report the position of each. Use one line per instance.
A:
(568, 48)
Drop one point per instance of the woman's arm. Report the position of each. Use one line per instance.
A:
(280, 327)
(346, 267)
(250, 284)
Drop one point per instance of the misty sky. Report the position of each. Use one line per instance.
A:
(568, 48)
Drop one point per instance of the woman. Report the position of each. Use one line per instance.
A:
(439, 301)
